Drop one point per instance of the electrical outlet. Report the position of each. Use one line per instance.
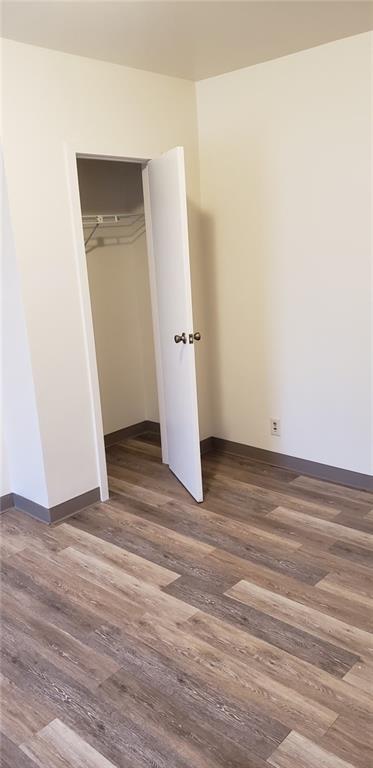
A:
(275, 427)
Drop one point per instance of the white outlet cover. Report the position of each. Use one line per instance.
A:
(275, 427)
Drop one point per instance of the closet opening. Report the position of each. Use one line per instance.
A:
(130, 226)
(114, 231)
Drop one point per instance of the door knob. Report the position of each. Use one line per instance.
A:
(194, 337)
(178, 339)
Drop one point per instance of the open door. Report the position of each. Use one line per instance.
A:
(168, 247)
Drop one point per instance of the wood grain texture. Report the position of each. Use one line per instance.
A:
(298, 751)
(59, 746)
(326, 528)
(65, 651)
(303, 616)
(361, 676)
(12, 756)
(242, 684)
(17, 721)
(333, 585)
(351, 741)
(193, 731)
(351, 551)
(233, 729)
(152, 631)
(334, 491)
(296, 674)
(299, 642)
(112, 557)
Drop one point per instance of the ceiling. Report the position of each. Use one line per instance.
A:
(193, 40)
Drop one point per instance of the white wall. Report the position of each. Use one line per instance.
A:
(50, 98)
(120, 294)
(22, 464)
(4, 472)
(285, 189)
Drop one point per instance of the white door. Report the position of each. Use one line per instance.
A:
(168, 247)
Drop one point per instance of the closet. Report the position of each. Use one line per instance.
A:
(133, 261)
(113, 221)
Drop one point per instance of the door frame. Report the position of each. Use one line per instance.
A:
(71, 156)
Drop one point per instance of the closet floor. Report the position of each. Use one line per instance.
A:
(150, 631)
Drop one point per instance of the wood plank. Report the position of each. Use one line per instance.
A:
(225, 460)
(174, 678)
(351, 740)
(270, 551)
(296, 751)
(20, 718)
(336, 604)
(311, 681)
(12, 540)
(298, 642)
(247, 542)
(115, 523)
(226, 564)
(246, 473)
(112, 600)
(350, 551)
(356, 579)
(340, 492)
(325, 527)
(150, 474)
(58, 746)
(30, 594)
(112, 555)
(152, 542)
(100, 603)
(239, 683)
(192, 733)
(111, 732)
(303, 617)
(162, 484)
(147, 461)
(137, 491)
(240, 493)
(18, 530)
(120, 583)
(266, 523)
(333, 560)
(147, 447)
(361, 676)
(59, 647)
(182, 517)
(12, 756)
(333, 586)
(357, 520)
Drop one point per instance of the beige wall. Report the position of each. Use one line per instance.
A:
(285, 189)
(120, 294)
(51, 99)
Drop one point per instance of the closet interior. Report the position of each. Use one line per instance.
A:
(112, 207)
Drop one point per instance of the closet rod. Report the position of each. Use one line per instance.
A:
(136, 225)
(110, 218)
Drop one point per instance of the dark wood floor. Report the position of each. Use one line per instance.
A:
(152, 632)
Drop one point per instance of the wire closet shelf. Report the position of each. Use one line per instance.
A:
(134, 224)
